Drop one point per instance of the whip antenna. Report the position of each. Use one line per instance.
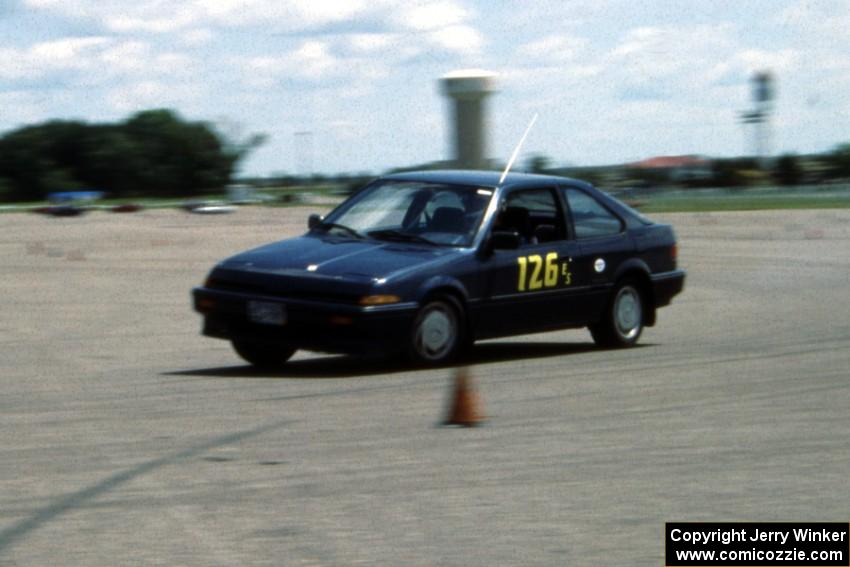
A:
(516, 150)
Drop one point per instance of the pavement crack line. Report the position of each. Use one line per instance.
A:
(11, 535)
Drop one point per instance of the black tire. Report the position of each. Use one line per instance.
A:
(437, 334)
(262, 354)
(623, 321)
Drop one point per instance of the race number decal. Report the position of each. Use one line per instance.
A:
(535, 272)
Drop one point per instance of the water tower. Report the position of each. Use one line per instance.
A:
(468, 91)
(764, 93)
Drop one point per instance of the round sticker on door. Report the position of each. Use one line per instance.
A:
(599, 265)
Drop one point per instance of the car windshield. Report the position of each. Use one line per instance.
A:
(413, 211)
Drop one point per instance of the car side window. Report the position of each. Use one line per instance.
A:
(534, 214)
(590, 218)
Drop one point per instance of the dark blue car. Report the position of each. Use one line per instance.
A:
(427, 263)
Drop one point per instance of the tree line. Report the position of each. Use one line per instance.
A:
(152, 153)
(155, 153)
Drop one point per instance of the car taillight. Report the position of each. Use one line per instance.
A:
(674, 254)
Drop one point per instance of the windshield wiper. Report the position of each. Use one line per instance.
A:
(329, 225)
(391, 234)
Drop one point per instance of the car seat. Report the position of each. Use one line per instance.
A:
(518, 219)
(447, 219)
(545, 233)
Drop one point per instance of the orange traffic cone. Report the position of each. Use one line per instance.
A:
(463, 409)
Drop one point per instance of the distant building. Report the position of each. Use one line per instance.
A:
(675, 168)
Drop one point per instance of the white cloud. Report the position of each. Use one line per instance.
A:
(128, 74)
(138, 58)
(196, 37)
(316, 62)
(663, 51)
(50, 56)
(459, 38)
(442, 23)
(160, 16)
(646, 62)
(782, 61)
(553, 47)
(312, 60)
(431, 16)
(150, 94)
(288, 15)
(371, 42)
(64, 50)
(445, 24)
(345, 129)
(29, 107)
(115, 15)
(611, 70)
(698, 62)
(819, 18)
(179, 19)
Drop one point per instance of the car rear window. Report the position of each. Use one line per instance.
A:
(590, 218)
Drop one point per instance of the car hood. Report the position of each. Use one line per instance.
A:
(323, 257)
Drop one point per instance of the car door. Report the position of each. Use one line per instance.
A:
(603, 244)
(526, 287)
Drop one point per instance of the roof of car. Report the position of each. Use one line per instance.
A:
(483, 178)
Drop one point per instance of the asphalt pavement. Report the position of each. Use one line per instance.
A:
(129, 439)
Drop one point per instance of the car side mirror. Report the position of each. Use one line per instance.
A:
(314, 220)
(504, 240)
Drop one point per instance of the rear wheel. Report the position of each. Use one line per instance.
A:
(622, 323)
(437, 333)
(263, 354)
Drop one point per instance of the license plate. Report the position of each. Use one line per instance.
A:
(267, 313)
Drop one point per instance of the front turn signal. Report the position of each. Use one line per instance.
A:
(379, 299)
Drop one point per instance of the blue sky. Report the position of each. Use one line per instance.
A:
(612, 80)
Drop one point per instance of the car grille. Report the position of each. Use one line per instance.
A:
(281, 291)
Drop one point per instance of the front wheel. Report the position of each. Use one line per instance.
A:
(436, 335)
(265, 355)
(622, 323)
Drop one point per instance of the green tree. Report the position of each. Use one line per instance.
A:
(154, 152)
(24, 162)
(538, 164)
(736, 172)
(5, 189)
(839, 161)
(787, 170)
(178, 158)
(112, 161)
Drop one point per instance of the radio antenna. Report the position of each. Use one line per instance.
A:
(516, 150)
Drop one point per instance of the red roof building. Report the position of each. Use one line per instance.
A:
(671, 162)
(675, 168)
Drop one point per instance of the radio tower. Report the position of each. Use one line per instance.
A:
(763, 92)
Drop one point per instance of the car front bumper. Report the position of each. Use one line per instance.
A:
(311, 325)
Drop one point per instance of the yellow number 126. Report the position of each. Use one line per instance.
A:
(543, 274)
